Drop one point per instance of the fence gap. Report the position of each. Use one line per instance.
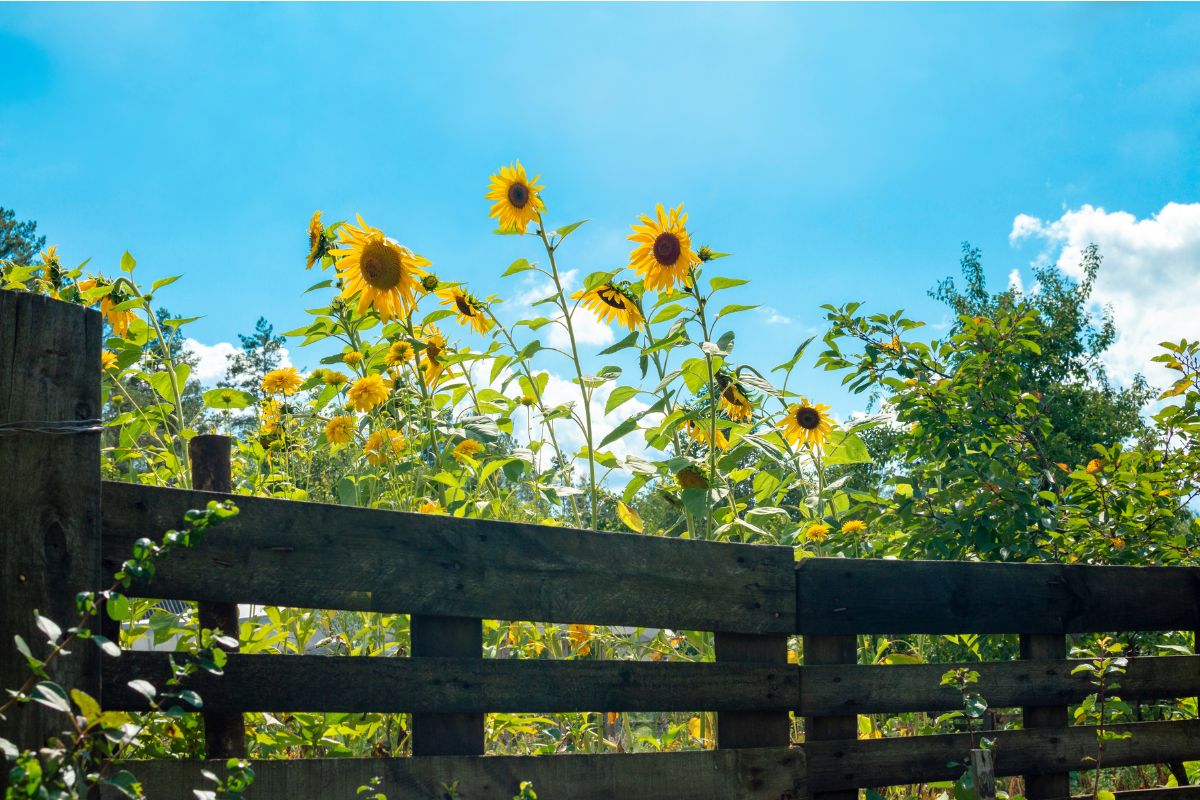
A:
(752, 728)
(212, 471)
(50, 407)
(446, 734)
(1045, 647)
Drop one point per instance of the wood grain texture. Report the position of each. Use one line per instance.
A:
(212, 471)
(313, 555)
(49, 493)
(444, 732)
(836, 595)
(1160, 793)
(895, 688)
(754, 774)
(749, 727)
(842, 651)
(917, 759)
(1035, 716)
(462, 685)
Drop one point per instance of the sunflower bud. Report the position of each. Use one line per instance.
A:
(705, 253)
(429, 282)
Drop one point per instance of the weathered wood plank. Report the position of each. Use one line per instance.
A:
(313, 555)
(1159, 793)
(442, 732)
(752, 774)
(839, 650)
(212, 471)
(836, 595)
(918, 759)
(872, 689)
(462, 685)
(1042, 786)
(49, 492)
(754, 728)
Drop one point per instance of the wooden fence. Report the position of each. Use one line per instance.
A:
(65, 529)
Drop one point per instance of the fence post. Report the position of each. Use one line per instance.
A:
(212, 471)
(832, 649)
(1045, 647)
(752, 728)
(446, 734)
(50, 408)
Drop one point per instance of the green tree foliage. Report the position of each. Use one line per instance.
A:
(262, 351)
(19, 242)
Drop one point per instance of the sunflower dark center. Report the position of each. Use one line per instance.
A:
(808, 418)
(518, 195)
(667, 249)
(464, 306)
(381, 266)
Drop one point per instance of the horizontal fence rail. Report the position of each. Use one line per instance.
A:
(315, 555)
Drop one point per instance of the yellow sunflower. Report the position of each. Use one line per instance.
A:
(610, 302)
(108, 359)
(398, 353)
(431, 507)
(527, 400)
(383, 443)
(698, 432)
(318, 245)
(663, 256)
(368, 392)
(332, 377)
(339, 430)
(282, 381)
(435, 345)
(817, 532)
(353, 358)
(733, 400)
(806, 423)
(470, 311)
(517, 199)
(383, 274)
(272, 414)
(50, 257)
(119, 320)
(1094, 466)
(691, 478)
(466, 450)
(854, 526)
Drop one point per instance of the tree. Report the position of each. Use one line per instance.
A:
(19, 242)
(262, 351)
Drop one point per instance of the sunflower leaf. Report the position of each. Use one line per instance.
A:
(520, 265)
(566, 230)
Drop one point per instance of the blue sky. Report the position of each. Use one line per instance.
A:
(841, 152)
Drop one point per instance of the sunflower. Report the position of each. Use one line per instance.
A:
(698, 432)
(108, 359)
(581, 638)
(399, 352)
(691, 478)
(663, 256)
(806, 423)
(434, 346)
(470, 310)
(518, 200)
(610, 302)
(318, 245)
(118, 319)
(466, 450)
(431, 507)
(353, 358)
(381, 443)
(854, 526)
(332, 377)
(272, 414)
(383, 274)
(282, 381)
(1094, 466)
(817, 532)
(368, 392)
(527, 400)
(339, 430)
(733, 400)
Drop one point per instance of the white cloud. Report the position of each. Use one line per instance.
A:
(774, 316)
(1150, 276)
(1014, 281)
(213, 359)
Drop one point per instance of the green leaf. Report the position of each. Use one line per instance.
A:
(144, 688)
(164, 282)
(228, 399)
(117, 607)
(718, 283)
(791, 362)
(51, 695)
(127, 263)
(566, 230)
(520, 265)
(629, 341)
(619, 396)
(734, 309)
(844, 447)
